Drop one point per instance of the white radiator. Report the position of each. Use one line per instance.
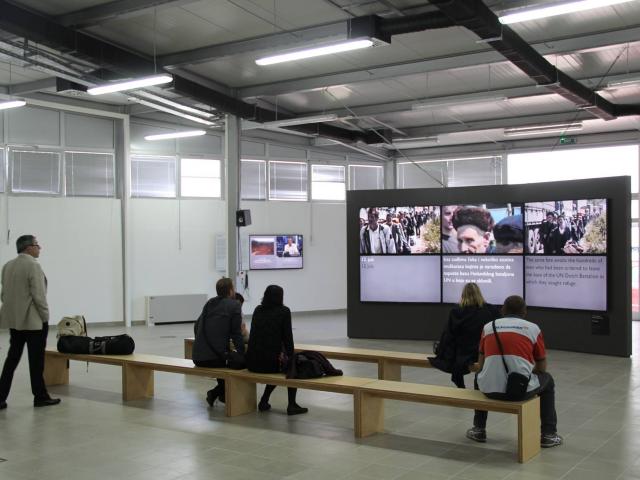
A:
(174, 308)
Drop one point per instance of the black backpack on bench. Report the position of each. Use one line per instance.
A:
(113, 345)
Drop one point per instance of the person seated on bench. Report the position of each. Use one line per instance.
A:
(218, 324)
(458, 347)
(271, 343)
(524, 353)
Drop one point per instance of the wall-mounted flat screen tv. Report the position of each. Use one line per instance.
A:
(275, 252)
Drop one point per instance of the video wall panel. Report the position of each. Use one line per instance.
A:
(552, 253)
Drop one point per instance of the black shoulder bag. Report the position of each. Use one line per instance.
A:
(517, 383)
(233, 360)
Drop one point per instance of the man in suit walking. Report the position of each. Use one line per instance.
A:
(26, 313)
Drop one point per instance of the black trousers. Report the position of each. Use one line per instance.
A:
(36, 341)
(214, 364)
(547, 394)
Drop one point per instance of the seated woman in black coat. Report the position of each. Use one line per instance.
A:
(458, 347)
(270, 341)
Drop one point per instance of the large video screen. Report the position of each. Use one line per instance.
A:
(273, 252)
(567, 245)
(399, 230)
(482, 229)
(552, 253)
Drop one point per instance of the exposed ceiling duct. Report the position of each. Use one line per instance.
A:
(480, 19)
(124, 63)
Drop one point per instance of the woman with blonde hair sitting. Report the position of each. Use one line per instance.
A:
(458, 345)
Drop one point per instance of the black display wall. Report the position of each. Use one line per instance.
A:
(563, 329)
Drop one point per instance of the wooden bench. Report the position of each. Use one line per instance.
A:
(389, 363)
(368, 394)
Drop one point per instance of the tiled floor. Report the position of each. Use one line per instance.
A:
(92, 434)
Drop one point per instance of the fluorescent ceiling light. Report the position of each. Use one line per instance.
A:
(623, 84)
(167, 136)
(556, 9)
(418, 142)
(171, 103)
(542, 129)
(173, 112)
(131, 84)
(315, 52)
(330, 117)
(452, 102)
(12, 104)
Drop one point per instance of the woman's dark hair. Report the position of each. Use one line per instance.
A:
(273, 296)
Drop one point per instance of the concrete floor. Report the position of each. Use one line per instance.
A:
(92, 434)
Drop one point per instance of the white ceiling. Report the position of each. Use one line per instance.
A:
(379, 83)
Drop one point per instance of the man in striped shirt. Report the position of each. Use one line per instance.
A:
(522, 344)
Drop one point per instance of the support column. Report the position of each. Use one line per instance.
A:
(390, 174)
(232, 190)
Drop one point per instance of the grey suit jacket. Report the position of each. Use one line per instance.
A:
(24, 294)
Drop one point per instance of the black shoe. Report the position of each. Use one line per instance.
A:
(46, 402)
(264, 406)
(296, 410)
(477, 434)
(3, 405)
(212, 395)
(549, 440)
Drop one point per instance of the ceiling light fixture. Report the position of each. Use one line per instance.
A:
(542, 129)
(453, 101)
(173, 104)
(556, 9)
(416, 142)
(168, 136)
(345, 46)
(623, 84)
(329, 117)
(172, 112)
(12, 104)
(131, 84)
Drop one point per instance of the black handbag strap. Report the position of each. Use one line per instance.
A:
(495, 332)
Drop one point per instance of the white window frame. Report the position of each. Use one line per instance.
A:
(32, 149)
(270, 198)
(179, 177)
(344, 183)
(265, 179)
(360, 165)
(64, 174)
(146, 155)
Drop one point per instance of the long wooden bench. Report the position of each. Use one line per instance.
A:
(368, 394)
(389, 363)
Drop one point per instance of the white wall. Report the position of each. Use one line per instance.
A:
(173, 247)
(81, 251)
(322, 283)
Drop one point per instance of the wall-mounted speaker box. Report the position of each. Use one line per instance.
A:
(243, 218)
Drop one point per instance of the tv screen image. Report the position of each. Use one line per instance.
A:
(482, 229)
(272, 252)
(566, 227)
(399, 230)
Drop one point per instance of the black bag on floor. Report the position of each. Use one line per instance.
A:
(114, 345)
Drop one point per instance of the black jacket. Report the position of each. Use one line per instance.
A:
(270, 334)
(460, 339)
(218, 323)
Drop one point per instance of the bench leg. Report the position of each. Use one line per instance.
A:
(188, 349)
(389, 370)
(56, 370)
(240, 397)
(529, 431)
(137, 382)
(368, 412)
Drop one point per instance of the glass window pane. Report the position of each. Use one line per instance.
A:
(635, 277)
(89, 174)
(2, 170)
(200, 177)
(574, 164)
(253, 179)
(35, 172)
(153, 176)
(634, 209)
(366, 177)
(479, 171)
(288, 181)
(421, 174)
(327, 182)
